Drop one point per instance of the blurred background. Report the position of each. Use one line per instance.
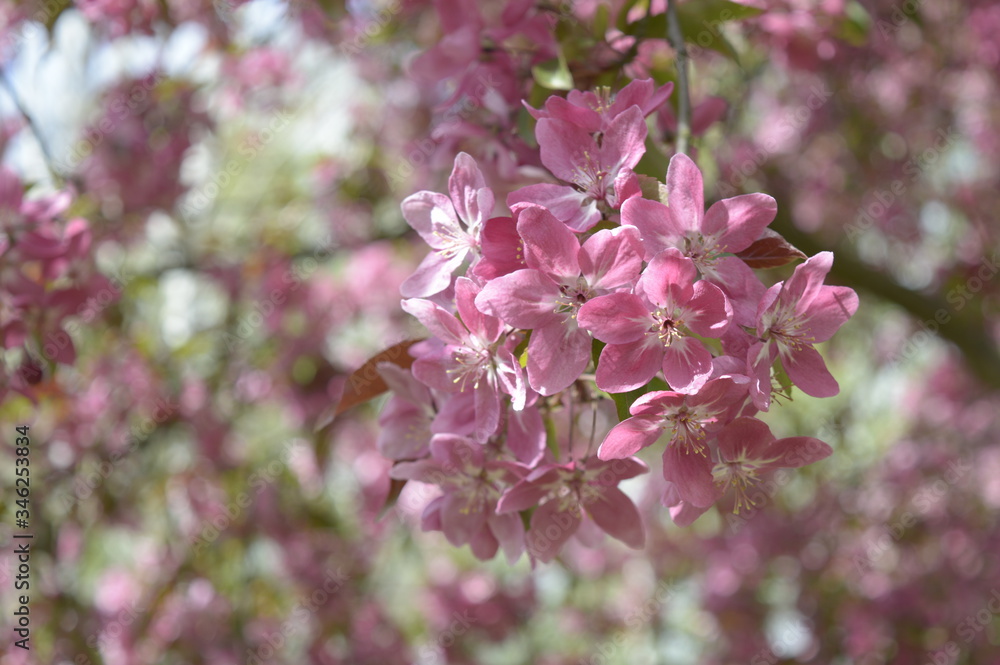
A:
(200, 238)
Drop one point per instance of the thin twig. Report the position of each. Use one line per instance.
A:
(32, 125)
(676, 39)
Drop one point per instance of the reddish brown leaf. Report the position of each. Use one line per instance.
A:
(770, 250)
(366, 383)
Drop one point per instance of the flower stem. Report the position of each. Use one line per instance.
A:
(676, 39)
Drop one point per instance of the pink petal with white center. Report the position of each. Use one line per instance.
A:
(629, 437)
(487, 410)
(806, 369)
(687, 365)
(617, 318)
(685, 514)
(624, 367)
(464, 186)
(509, 530)
(798, 451)
(741, 285)
(557, 355)
(501, 249)
(807, 280)
(432, 216)
(511, 376)
(745, 438)
(738, 221)
(550, 529)
(522, 496)
(568, 151)
(656, 227)
(612, 472)
(642, 93)
(430, 520)
(611, 258)
(617, 516)
(560, 108)
(432, 276)
(668, 280)
(440, 323)
(576, 209)
(656, 402)
(624, 142)
(526, 435)
(424, 471)
(692, 473)
(402, 384)
(760, 355)
(458, 521)
(523, 299)
(626, 187)
(827, 312)
(487, 328)
(685, 193)
(708, 313)
(549, 245)
(484, 544)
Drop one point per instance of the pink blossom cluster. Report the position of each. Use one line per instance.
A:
(588, 273)
(47, 274)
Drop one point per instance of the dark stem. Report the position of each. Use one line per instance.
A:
(32, 125)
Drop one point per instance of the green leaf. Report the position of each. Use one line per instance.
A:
(653, 163)
(700, 24)
(551, 437)
(782, 376)
(855, 26)
(624, 400)
(554, 74)
(595, 351)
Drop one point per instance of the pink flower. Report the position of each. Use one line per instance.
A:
(748, 451)
(727, 227)
(472, 485)
(595, 111)
(569, 491)
(596, 166)
(546, 296)
(791, 318)
(471, 356)
(687, 420)
(449, 224)
(647, 330)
